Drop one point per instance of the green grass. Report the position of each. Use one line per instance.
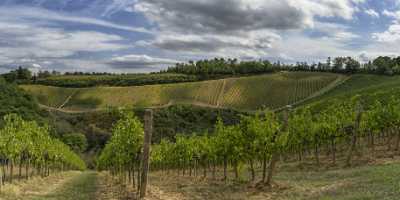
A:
(82, 187)
(245, 93)
(368, 182)
(63, 186)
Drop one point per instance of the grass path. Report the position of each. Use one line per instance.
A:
(67, 186)
(80, 187)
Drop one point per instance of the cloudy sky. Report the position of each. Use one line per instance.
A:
(147, 35)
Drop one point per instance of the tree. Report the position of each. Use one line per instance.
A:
(383, 64)
(338, 64)
(23, 74)
(352, 66)
(20, 74)
(76, 141)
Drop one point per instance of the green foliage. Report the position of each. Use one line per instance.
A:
(26, 142)
(168, 122)
(384, 64)
(76, 141)
(15, 100)
(81, 81)
(264, 134)
(218, 66)
(124, 147)
(20, 75)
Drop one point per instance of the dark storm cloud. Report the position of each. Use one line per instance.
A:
(222, 15)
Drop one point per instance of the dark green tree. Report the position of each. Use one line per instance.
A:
(76, 141)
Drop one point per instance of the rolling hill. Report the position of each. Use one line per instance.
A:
(371, 87)
(244, 93)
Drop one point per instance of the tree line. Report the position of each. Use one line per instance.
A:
(202, 70)
(217, 66)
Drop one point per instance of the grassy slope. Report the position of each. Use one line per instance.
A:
(246, 93)
(50, 96)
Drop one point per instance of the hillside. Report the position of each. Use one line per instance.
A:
(372, 87)
(245, 93)
(15, 100)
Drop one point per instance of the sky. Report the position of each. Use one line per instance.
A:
(149, 35)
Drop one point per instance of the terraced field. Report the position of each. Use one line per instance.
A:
(245, 93)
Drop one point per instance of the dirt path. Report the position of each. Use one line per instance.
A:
(67, 100)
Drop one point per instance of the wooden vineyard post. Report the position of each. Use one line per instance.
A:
(1, 176)
(148, 129)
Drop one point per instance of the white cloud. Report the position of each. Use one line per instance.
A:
(34, 14)
(26, 41)
(31, 45)
(372, 13)
(392, 14)
(301, 48)
(37, 66)
(139, 62)
(335, 31)
(328, 8)
(118, 5)
(391, 35)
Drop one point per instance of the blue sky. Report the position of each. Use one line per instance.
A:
(148, 35)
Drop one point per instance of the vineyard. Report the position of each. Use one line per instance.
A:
(337, 144)
(371, 87)
(245, 93)
(338, 136)
(199, 100)
(30, 148)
